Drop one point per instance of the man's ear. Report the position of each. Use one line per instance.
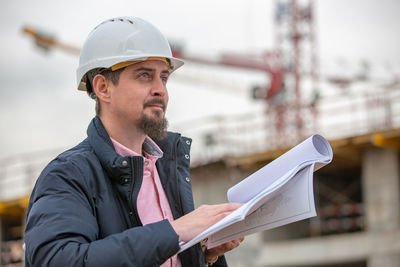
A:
(101, 88)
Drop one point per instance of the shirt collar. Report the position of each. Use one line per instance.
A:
(150, 149)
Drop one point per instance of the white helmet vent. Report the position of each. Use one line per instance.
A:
(114, 20)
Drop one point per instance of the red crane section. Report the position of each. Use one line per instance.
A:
(275, 71)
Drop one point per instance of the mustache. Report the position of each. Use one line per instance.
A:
(158, 101)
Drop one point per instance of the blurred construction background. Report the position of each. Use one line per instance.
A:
(265, 88)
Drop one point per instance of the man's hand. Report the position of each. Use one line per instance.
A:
(211, 255)
(195, 222)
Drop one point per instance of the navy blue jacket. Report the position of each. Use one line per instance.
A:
(82, 210)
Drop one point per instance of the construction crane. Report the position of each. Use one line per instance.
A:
(47, 42)
(285, 66)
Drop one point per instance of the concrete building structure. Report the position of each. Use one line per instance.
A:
(358, 205)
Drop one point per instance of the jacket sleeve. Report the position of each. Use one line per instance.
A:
(62, 229)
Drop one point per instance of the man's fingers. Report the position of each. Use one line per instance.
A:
(220, 208)
(193, 223)
(221, 249)
(219, 211)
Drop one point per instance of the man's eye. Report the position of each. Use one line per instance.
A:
(144, 75)
(164, 79)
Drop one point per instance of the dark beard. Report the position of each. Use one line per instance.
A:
(155, 128)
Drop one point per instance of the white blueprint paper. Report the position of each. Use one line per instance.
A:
(277, 194)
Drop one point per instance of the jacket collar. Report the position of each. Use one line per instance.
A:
(114, 164)
(168, 144)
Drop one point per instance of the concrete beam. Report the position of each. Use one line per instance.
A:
(329, 250)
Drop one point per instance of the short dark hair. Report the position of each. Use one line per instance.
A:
(110, 75)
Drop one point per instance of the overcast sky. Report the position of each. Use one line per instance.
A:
(40, 107)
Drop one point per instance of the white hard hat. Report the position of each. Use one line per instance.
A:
(122, 39)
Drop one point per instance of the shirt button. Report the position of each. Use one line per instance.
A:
(131, 213)
(124, 163)
(188, 142)
(146, 163)
(187, 156)
(126, 180)
(187, 179)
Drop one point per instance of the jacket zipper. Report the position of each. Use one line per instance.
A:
(132, 192)
(176, 176)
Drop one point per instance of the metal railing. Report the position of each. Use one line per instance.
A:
(335, 117)
(19, 173)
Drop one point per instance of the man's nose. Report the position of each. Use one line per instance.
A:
(158, 88)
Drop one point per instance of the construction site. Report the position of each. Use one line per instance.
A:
(357, 196)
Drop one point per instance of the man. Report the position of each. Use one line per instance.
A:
(122, 197)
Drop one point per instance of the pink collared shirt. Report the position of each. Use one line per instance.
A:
(152, 202)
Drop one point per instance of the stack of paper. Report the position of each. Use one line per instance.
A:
(279, 193)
